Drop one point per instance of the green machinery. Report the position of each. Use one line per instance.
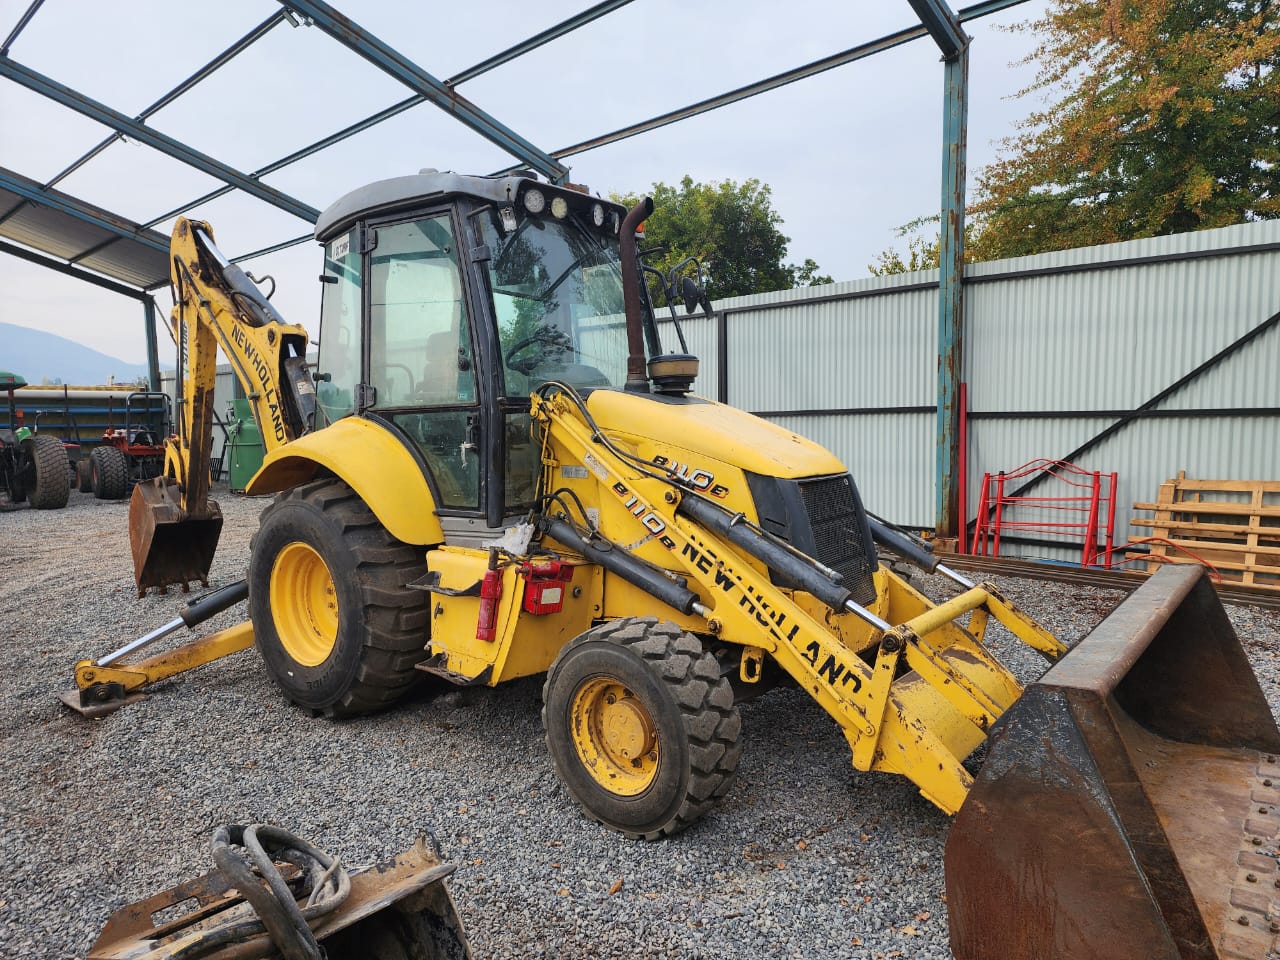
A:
(244, 450)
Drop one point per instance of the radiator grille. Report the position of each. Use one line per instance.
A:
(836, 521)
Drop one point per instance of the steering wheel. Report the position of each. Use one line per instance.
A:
(549, 343)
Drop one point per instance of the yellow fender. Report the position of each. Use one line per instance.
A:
(373, 463)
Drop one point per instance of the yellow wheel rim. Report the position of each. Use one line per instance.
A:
(304, 604)
(615, 737)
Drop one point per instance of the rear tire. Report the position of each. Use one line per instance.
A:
(108, 473)
(333, 618)
(51, 486)
(84, 478)
(641, 727)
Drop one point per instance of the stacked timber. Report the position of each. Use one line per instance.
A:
(1232, 526)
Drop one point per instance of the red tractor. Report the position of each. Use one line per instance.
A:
(129, 454)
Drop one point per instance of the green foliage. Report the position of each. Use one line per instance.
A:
(1163, 116)
(921, 255)
(732, 228)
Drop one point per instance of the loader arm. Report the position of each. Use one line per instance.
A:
(914, 696)
(173, 525)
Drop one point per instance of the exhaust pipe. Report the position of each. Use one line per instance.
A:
(637, 373)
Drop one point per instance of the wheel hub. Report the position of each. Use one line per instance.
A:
(615, 736)
(304, 604)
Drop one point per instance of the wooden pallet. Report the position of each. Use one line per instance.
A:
(1232, 524)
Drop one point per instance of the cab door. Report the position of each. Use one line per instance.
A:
(421, 360)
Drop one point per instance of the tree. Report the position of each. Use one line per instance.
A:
(1164, 117)
(732, 228)
(921, 255)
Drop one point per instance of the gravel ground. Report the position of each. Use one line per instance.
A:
(804, 858)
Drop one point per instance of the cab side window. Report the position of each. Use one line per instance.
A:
(419, 338)
(420, 353)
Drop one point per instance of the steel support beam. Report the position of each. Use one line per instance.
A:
(153, 351)
(21, 25)
(860, 52)
(351, 35)
(257, 33)
(22, 253)
(32, 191)
(344, 133)
(103, 114)
(537, 40)
(944, 26)
(552, 33)
(955, 126)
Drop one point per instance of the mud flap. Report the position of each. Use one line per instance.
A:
(168, 546)
(395, 910)
(1129, 806)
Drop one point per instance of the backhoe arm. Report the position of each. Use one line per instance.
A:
(215, 304)
(173, 525)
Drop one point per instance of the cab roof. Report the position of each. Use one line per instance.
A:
(386, 196)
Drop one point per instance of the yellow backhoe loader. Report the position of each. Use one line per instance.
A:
(496, 471)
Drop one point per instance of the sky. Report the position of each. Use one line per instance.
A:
(850, 155)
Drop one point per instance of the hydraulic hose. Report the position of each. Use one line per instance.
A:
(246, 856)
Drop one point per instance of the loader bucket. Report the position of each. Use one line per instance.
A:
(169, 546)
(1129, 806)
(396, 910)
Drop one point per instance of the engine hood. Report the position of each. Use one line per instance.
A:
(693, 429)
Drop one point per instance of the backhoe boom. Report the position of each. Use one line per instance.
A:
(173, 525)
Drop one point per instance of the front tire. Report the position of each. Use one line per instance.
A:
(51, 480)
(84, 479)
(108, 473)
(333, 618)
(641, 727)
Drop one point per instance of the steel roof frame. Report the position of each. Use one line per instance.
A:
(936, 20)
(32, 192)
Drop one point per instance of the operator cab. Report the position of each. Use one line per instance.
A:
(447, 300)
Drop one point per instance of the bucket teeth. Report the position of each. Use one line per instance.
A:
(169, 546)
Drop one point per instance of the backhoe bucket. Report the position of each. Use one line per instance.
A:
(167, 546)
(1129, 806)
(396, 910)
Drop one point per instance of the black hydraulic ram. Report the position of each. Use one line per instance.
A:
(617, 560)
(798, 569)
(913, 551)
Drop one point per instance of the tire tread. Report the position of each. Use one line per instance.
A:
(395, 616)
(705, 699)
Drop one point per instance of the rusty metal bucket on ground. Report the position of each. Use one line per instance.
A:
(170, 547)
(393, 911)
(1129, 806)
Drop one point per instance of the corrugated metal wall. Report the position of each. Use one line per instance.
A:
(1058, 348)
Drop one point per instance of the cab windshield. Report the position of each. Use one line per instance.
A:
(557, 298)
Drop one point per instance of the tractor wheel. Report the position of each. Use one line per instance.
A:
(84, 477)
(333, 618)
(108, 473)
(50, 482)
(641, 726)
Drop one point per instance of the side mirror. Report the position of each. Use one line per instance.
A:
(694, 296)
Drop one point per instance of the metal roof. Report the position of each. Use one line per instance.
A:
(80, 233)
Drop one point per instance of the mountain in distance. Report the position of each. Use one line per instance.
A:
(40, 357)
